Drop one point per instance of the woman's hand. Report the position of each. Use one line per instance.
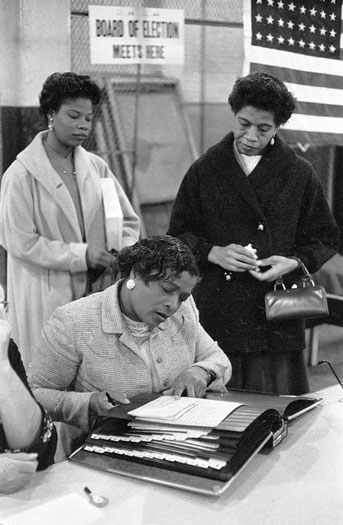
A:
(16, 470)
(279, 266)
(193, 380)
(99, 258)
(100, 401)
(234, 258)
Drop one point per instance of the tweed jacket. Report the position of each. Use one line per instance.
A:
(41, 233)
(280, 208)
(86, 347)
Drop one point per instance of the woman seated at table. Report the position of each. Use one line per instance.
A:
(27, 435)
(140, 335)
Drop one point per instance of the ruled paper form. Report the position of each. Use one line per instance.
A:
(187, 411)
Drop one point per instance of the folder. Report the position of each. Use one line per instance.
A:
(201, 460)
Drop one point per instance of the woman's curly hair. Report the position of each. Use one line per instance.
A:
(263, 91)
(60, 87)
(156, 258)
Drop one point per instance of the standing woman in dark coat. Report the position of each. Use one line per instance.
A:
(252, 190)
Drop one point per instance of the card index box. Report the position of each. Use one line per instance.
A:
(236, 447)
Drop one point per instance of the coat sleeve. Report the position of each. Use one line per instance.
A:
(317, 233)
(19, 234)
(130, 233)
(186, 220)
(209, 355)
(46, 440)
(53, 370)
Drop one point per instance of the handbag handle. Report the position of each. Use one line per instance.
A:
(279, 280)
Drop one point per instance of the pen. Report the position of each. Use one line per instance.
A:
(110, 400)
(94, 499)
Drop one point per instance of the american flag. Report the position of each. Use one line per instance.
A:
(301, 43)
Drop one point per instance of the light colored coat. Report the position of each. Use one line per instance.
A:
(87, 347)
(41, 233)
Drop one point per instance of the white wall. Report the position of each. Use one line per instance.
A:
(34, 42)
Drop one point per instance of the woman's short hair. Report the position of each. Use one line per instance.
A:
(156, 258)
(263, 91)
(60, 87)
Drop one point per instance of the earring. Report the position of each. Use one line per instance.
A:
(50, 124)
(272, 141)
(130, 284)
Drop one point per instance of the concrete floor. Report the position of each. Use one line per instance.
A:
(330, 348)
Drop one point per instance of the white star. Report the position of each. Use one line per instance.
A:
(321, 47)
(333, 1)
(280, 39)
(332, 16)
(301, 43)
(301, 27)
(333, 33)
(290, 24)
(291, 41)
(302, 9)
(312, 45)
(280, 4)
(313, 11)
(291, 6)
(322, 14)
(270, 20)
(258, 18)
(258, 1)
(258, 36)
(332, 49)
(270, 37)
(312, 29)
(281, 22)
(270, 3)
(323, 31)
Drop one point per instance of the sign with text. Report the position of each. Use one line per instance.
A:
(136, 35)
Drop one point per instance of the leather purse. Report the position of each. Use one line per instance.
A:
(308, 300)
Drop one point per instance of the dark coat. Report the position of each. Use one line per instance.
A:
(280, 208)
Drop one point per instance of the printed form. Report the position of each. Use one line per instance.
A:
(188, 411)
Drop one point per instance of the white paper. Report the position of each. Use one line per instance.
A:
(113, 214)
(186, 411)
(66, 510)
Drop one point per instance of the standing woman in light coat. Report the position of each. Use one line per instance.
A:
(51, 211)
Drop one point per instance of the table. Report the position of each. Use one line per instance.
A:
(300, 482)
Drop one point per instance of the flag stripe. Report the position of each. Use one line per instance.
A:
(315, 94)
(315, 139)
(315, 123)
(308, 78)
(322, 110)
(274, 57)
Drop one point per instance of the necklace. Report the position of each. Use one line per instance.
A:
(63, 165)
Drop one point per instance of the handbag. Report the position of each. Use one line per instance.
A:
(308, 300)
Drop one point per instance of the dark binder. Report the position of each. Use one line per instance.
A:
(260, 424)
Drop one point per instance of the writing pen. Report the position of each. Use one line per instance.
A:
(110, 400)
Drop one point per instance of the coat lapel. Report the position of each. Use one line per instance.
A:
(37, 163)
(228, 169)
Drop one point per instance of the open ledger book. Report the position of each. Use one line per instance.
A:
(199, 445)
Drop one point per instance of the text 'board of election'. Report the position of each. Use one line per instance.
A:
(136, 35)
